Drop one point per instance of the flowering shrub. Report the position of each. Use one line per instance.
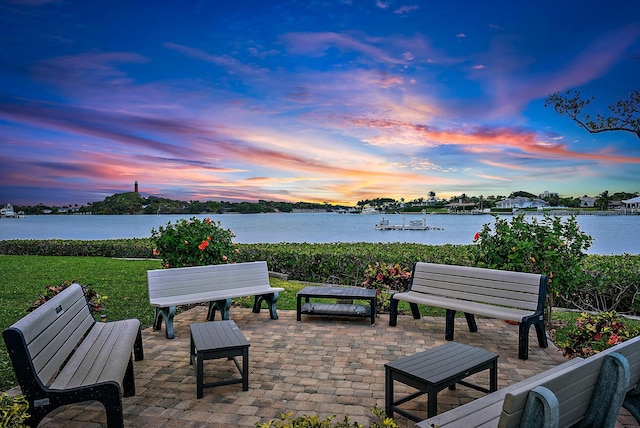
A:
(553, 247)
(96, 301)
(13, 410)
(593, 333)
(193, 242)
(386, 278)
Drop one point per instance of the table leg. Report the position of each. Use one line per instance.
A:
(245, 369)
(372, 303)
(493, 377)
(199, 375)
(388, 393)
(298, 307)
(432, 404)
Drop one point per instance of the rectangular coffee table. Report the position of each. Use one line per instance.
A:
(218, 339)
(320, 292)
(433, 370)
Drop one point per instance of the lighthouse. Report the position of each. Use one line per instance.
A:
(135, 187)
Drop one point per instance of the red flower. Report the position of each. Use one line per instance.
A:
(204, 245)
(476, 236)
(207, 220)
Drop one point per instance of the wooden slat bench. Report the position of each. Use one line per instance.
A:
(61, 355)
(573, 384)
(511, 296)
(216, 284)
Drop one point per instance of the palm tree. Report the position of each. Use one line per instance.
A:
(603, 200)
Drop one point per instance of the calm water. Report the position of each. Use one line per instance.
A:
(612, 234)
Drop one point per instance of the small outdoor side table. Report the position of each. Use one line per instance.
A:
(342, 309)
(218, 339)
(433, 370)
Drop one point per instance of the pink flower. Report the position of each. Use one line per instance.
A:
(224, 258)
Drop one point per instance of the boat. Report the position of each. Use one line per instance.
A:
(8, 211)
(369, 210)
(420, 224)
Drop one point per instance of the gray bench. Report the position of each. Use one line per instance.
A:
(61, 355)
(513, 296)
(216, 284)
(571, 385)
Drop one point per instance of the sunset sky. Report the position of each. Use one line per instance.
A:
(314, 100)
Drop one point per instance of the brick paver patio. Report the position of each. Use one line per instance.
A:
(324, 366)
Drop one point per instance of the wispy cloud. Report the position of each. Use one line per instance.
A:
(405, 10)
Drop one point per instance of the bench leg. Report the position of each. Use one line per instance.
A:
(450, 321)
(271, 299)
(542, 335)
(112, 402)
(471, 322)
(523, 341)
(129, 381)
(167, 314)
(222, 305)
(138, 352)
(393, 313)
(108, 394)
(415, 311)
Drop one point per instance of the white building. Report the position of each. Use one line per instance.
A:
(632, 204)
(520, 202)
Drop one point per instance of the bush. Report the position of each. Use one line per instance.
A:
(193, 242)
(607, 283)
(13, 410)
(287, 420)
(386, 278)
(125, 248)
(96, 301)
(593, 333)
(552, 247)
(347, 263)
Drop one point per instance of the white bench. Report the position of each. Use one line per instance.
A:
(507, 295)
(216, 284)
(573, 384)
(61, 355)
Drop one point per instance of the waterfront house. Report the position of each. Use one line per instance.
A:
(632, 205)
(520, 202)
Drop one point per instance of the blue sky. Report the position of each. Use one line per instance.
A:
(334, 101)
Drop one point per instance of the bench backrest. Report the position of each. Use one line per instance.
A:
(202, 279)
(41, 341)
(491, 286)
(572, 387)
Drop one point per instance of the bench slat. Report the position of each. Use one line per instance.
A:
(502, 312)
(484, 290)
(103, 356)
(199, 279)
(480, 273)
(208, 296)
